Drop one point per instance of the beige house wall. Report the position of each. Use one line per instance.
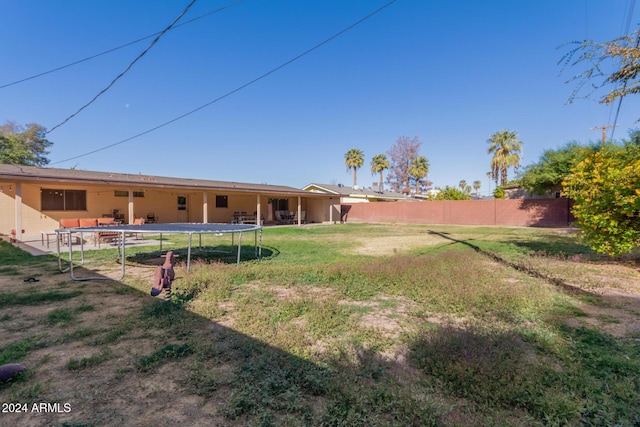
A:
(7, 209)
(324, 210)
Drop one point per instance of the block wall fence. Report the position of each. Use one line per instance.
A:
(513, 212)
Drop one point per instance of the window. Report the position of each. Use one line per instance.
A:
(124, 193)
(280, 204)
(182, 203)
(222, 202)
(63, 200)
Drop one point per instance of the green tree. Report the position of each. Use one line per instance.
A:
(605, 187)
(23, 145)
(554, 166)
(379, 163)
(476, 186)
(462, 184)
(354, 159)
(451, 193)
(419, 169)
(499, 193)
(506, 148)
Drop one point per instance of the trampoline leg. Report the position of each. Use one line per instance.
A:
(122, 264)
(70, 246)
(189, 253)
(58, 237)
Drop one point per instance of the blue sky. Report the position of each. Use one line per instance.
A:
(450, 72)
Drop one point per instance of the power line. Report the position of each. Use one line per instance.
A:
(125, 71)
(88, 58)
(624, 87)
(268, 73)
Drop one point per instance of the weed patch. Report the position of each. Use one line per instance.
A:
(8, 299)
(18, 350)
(166, 354)
(88, 362)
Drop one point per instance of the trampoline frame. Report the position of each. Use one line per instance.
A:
(122, 230)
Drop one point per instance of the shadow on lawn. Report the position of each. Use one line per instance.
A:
(158, 363)
(246, 379)
(518, 266)
(221, 253)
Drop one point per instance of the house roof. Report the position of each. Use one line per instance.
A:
(343, 191)
(32, 173)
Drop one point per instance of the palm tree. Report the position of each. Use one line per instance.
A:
(354, 159)
(506, 149)
(462, 184)
(379, 162)
(418, 169)
(476, 186)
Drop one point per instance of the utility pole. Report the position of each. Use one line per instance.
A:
(604, 131)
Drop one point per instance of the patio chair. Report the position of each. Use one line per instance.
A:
(69, 223)
(151, 218)
(106, 235)
(137, 221)
(88, 222)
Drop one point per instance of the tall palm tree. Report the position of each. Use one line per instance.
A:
(506, 148)
(418, 169)
(462, 184)
(379, 163)
(476, 186)
(354, 159)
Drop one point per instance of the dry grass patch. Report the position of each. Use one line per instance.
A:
(392, 245)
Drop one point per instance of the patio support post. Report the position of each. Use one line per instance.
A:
(258, 216)
(331, 210)
(18, 219)
(130, 211)
(205, 208)
(299, 210)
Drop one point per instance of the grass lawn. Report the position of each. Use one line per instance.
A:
(337, 325)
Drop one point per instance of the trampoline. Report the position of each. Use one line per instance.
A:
(120, 231)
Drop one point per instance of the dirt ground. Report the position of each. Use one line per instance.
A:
(109, 391)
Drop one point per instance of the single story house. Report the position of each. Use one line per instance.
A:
(35, 199)
(356, 195)
(515, 191)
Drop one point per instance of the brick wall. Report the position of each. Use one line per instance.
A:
(518, 212)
